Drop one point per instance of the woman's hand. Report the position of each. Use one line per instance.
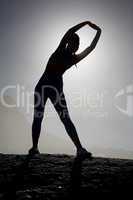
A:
(94, 26)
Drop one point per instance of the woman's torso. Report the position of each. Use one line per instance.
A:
(58, 63)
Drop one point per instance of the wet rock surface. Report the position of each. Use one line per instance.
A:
(51, 177)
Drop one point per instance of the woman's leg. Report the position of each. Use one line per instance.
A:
(36, 125)
(39, 104)
(60, 105)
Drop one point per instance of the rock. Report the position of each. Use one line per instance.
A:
(62, 177)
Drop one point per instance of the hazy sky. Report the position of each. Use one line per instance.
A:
(30, 30)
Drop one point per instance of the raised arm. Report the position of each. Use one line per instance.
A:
(69, 33)
(89, 49)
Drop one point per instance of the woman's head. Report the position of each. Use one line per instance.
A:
(73, 43)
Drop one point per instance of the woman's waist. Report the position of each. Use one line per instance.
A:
(49, 78)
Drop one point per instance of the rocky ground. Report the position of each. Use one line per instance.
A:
(48, 177)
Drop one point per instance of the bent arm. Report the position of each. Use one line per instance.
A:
(89, 49)
(69, 33)
(97, 36)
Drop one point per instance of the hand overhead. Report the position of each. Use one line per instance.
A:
(94, 26)
(93, 44)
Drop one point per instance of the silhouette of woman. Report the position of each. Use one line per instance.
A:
(50, 86)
